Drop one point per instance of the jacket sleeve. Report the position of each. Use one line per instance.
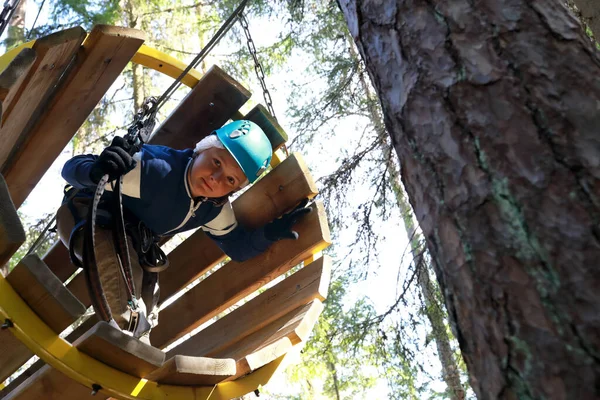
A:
(242, 244)
(76, 171)
(236, 241)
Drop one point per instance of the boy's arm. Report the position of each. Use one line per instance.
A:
(237, 242)
(241, 244)
(76, 171)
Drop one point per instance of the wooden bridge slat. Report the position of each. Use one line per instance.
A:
(12, 234)
(206, 108)
(47, 297)
(123, 352)
(278, 191)
(295, 326)
(261, 117)
(50, 384)
(184, 370)
(305, 285)
(54, 55)
(99, 62)
(236, 280)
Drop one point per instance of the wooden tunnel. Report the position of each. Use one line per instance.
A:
(240, 350)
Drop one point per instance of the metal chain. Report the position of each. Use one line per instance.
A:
(7, 12)
(260, 73)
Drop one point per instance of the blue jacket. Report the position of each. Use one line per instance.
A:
(156, 191)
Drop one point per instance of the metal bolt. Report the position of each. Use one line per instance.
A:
(95, 389)
(280, 188)
(257, 393)
(7, 324)
(52, 66)
(211, 104)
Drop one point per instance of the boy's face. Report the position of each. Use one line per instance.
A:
(214, 173)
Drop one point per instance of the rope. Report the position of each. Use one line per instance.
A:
(35, 21)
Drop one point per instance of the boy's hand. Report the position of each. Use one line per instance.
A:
(281, 228)
(114, 161)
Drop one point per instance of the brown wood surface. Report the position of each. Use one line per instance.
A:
(262, 357)
(123, 352)
(236, 280)
(15, 88)
(295, 325)
(260, 115)
(305, 285)
(57, 259)
(54, 55)
(45, 293)
(47, 297)
(14, 74)
(281, 189)
(12, 234)
(206, 108)
(184, 370)
(80, 330)
(99, 62)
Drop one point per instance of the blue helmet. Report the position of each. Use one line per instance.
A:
(248, 145)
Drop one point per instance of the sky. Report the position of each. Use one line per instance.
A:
(381, 285)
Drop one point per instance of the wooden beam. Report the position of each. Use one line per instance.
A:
(47, 297)
(206, 108)
(12, 234)
(307, 284)
(280, 190)
(99, 62)
(236, 280)
(119, 350)
(55, 54)
(184, 370)
(13, 75)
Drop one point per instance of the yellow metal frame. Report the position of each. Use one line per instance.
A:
(60, 354)
(40, 339)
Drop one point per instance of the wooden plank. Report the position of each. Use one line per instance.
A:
(237, 280)
(80, 330)
(280, 190)
(57, 259)
(55, 54)
(184, 370)
(45, 293)
(206, 108)
(295, 326)
(47, 297)
(119, 350)
(14, 74)
(99, 62)
(262, 357)
(12, 234)
(307, 284)
(260, 115)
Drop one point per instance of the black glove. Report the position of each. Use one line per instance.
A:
(281, 228)
(114, 161)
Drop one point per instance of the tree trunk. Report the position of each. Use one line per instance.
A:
(492, 107)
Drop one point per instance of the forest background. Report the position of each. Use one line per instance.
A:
(384, 332)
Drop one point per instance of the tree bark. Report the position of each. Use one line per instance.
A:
(492, 107)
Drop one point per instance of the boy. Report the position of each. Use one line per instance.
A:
(167, 191)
